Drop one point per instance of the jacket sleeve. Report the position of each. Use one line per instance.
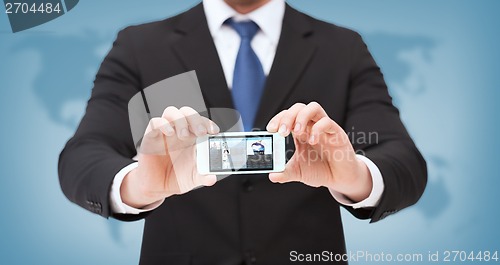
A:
(102, 144)
(376, 131)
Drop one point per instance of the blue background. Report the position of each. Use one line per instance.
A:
(440, 59)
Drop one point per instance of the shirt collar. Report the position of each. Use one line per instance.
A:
(268, 17)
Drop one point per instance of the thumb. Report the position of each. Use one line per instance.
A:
(288, 175)
(209, 180)
(278, 177)
(200, 180)
(203, 181)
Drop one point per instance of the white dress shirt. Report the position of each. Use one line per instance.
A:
(269, 18)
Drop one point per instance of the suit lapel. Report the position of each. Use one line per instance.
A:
(293, 53)
(196, 50)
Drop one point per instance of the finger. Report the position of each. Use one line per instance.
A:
(164, 126)
(212, 127)
(167, 128)
(196, 124)
(199, 180)
(282, 177)
(175, 117)
(150, 130)
(287, 122)
(326, 126)
(208, 180)
(311, 113)
(150, 142)
(279, 177)
(273, 124)
(288, 175)
(158, 125)
(284, 121)
(300, 139)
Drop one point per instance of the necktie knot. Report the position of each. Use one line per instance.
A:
(246, 29)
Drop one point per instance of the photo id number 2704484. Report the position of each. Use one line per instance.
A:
(25, 8)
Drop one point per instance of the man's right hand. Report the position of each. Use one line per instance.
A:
(167, 160)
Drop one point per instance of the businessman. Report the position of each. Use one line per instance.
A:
(315, 82)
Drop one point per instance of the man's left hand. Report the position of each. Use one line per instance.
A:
(323, 154)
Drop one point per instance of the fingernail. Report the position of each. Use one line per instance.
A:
(297, 127)
(184, 132)
(271, 126)
(168, 130)
(201, 129)
(282, 129)
(311, 139)
(214, 128)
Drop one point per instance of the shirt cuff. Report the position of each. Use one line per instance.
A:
(377, 189)
(117, 205)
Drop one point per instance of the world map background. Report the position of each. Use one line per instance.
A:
(440, 60)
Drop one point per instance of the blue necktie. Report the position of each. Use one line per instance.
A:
(249, 77)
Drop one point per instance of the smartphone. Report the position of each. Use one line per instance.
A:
(240, 153)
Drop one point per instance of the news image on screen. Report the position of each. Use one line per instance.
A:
(236, 153)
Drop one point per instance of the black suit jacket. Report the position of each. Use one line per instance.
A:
(242, 218)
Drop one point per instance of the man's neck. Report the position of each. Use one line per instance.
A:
(246, 6)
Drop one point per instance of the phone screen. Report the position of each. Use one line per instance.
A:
(240, 153)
